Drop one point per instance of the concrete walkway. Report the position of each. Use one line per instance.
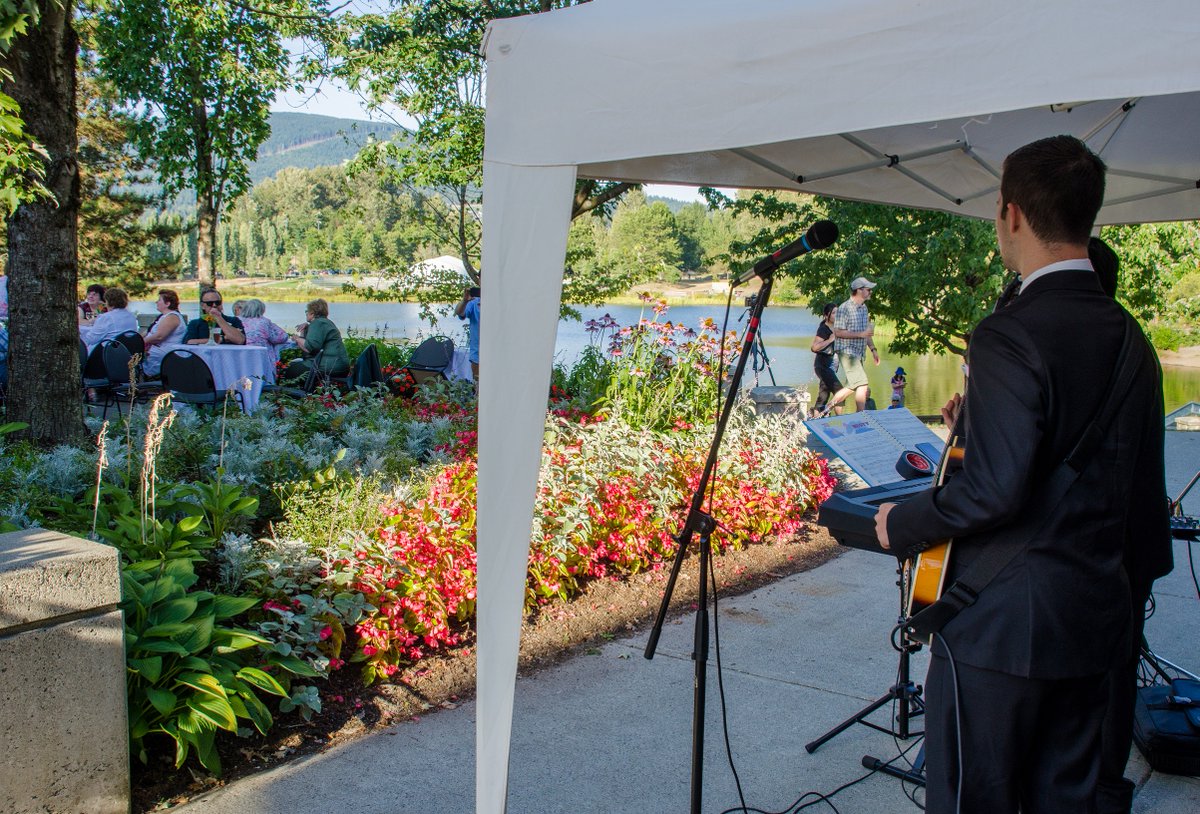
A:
(611, 732)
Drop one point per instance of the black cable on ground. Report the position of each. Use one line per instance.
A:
(712, 574)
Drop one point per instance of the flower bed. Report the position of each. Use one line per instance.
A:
(340, 529)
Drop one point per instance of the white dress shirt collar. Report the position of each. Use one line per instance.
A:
(1062, 265)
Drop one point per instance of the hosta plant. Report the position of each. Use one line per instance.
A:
(190, 674)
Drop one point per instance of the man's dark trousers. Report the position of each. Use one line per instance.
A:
(1051, 729)
(1114, 794)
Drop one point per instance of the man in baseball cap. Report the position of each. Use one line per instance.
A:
(853, 334)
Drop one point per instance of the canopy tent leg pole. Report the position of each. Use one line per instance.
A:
(527, 212)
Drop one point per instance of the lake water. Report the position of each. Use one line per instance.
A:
(786, 333)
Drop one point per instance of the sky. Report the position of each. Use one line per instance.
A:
(334, 99)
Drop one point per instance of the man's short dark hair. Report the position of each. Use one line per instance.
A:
(1059, 185)
(96, 287)
(473, 291)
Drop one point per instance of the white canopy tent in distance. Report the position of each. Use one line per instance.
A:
(907, 102)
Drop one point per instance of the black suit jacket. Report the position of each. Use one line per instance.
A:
(1039, 371)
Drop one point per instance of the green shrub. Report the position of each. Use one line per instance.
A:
(189, 674)
(1167, 337)
(330, 505)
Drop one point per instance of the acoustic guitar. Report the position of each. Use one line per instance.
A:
(927, 573)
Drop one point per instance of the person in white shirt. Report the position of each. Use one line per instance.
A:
(112, 323)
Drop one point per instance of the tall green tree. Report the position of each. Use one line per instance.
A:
(938, 274)
(644, 240)
(1155, 258)
(118, 223)
(38, 64)
(22, 167)
(690, 221)
(200, 74)
(423, 58)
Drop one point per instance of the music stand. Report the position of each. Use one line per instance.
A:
(904, 692)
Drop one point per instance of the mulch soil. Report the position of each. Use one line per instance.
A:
(558, 631)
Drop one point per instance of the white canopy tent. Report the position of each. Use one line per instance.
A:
(436, 269)
(910, 102)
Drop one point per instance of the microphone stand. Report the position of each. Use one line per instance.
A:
(700, 522)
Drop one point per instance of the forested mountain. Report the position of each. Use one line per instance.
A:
(305, 140)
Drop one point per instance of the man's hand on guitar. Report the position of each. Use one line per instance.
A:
(951, 410)
(881, 525)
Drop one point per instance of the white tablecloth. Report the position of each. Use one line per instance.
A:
(244, 367)
(460, 366)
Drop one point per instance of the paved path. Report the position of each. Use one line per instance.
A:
(611, 732)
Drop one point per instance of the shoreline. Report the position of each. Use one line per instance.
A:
(675, 294)
(1184, 357)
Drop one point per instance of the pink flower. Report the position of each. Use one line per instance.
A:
(326, 632)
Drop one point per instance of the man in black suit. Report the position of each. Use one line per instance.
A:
(1017, 686)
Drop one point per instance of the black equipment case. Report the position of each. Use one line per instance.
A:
(1166, 726)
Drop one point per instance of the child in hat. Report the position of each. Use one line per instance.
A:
(899, 382)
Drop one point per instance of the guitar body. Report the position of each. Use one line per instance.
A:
(927, 573)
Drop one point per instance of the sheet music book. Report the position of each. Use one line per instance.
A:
(870, 442)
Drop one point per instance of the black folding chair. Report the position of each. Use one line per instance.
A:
(367, 371)
(134, 341)
(188, 378)
(95, 375)
(311, 379)
(431, 360)
(121, 387)
(137, 347)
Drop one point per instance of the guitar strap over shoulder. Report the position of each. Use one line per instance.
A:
(994, 557)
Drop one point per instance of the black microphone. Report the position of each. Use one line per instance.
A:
(821, 235)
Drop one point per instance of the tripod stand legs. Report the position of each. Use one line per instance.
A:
(813, 746)
(906, 693)
(914, 775)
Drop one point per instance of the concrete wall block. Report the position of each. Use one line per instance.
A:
(788, 401)
(45, 574)
(64, 743)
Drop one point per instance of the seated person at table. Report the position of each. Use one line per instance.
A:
(319, 334)
(211, 317)
(3, 358)
(112, 323)
(92, 305)
(165, 332)
(261, 331)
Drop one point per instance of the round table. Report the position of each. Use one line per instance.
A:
(244, 368)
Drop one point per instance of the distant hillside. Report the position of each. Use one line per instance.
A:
(300, 140)
(305, 141)
(674, 204)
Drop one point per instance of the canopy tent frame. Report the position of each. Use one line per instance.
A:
(904, 102)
